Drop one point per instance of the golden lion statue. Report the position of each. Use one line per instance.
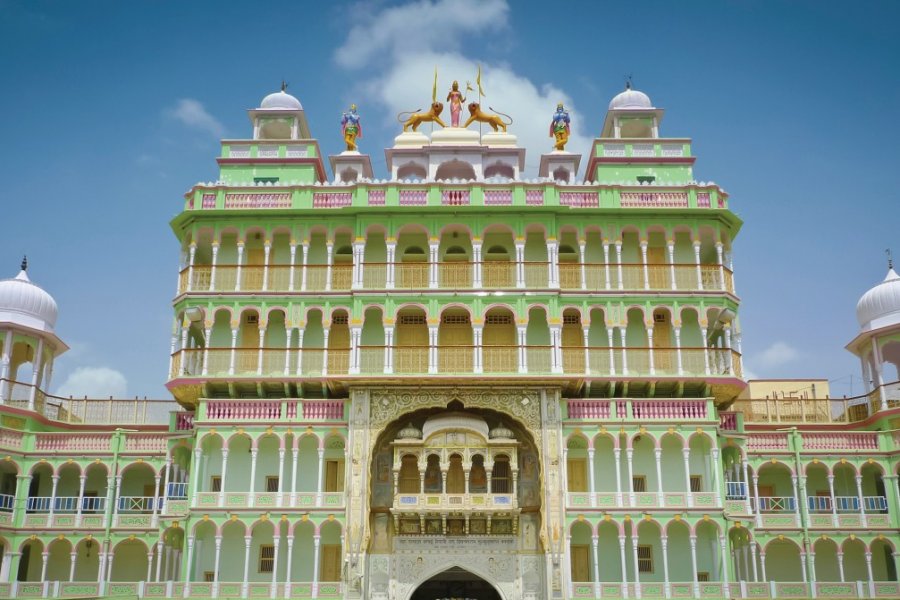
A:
(417, 118)
(493, 120)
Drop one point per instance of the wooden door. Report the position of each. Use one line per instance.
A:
(330, 569)
(577, 475)
(581, 563)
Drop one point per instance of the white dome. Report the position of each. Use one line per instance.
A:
(880, 306)
(630, 99)
(26, 304)
(280, 101)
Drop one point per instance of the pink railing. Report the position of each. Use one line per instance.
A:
(455, 197)
(588, 409)
(837, 440)
(534, 197)
(245, 409)
(728, 421)
(665, 409)
(184, 421)
(332, 199)
(767, 441)
(323, 409)
(208, 201)
(702, 199)
(654, 199)
(376, 197)
(280, 200)
(413, 197)
(145, 442)
(55, 442)
(498, 197)
(579, 199)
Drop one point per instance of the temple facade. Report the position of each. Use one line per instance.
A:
(459, 381)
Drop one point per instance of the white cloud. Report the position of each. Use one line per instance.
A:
(94, 382)
(192, 113)
(776, 355)
(401, 50)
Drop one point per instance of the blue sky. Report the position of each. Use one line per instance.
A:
(112, 110)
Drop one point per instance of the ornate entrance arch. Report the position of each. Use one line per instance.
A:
(455, 582)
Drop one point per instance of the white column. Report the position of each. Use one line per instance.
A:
(359, 248)
(762, 562)
(478, 350)
(697, 263)
(523, 349)
(596, 541)
(212, 269)
(553, 256)
(355, 337)
(391, 251)
(222, 479)
(834, 516)
(581, 247)
(556, 341)
(432, 349)
(520, 266)
(321, 476)
(267, 251)
(45, 555)
(840, 559)
(660, 498)
(278, 501)
(329, 258)
(72, 556)
(859, 496)
(234, 336)
(295, 453)
(729, 358)
(215, 585)
(756, 499)
(290, 561)
(149, 576)
(723, 545)
(433, 263)
(154, 520)
(292, 263)
(619, 264)
(276, 540)
(622, 331)
(6, 359)
(254, 452)
(55, 479)
(159, 559)
(591, 476)
(262, 345)
(300, 350)
(652, 363)
(670, 247)
(388, 349)
(705, 350)
(189, 566)
(665, 556)
(198, 476)
(617, 454)
(207, 337)
(747, 506)
(686, 454)
(606, 264)
(869, 572)
(678, 358)
(248, 540)
(82, 479)
(612, 351)
(326, 329)
(289, 333)
(721, 264)
(644, 264)
(795, 490)
(803, 567)
(694, 566)
(715, 469)
(629, 455)
(476, 264)
(315, 586)
(624, 566)
(586, 331)
(240, 260)
(303, 275)
(634, 557)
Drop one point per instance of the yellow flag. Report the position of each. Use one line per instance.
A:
(434, 87)
(478, 81)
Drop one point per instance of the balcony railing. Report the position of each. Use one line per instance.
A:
(416, 360)
(97, 411)
(779, 504)
(639, 409)
(819, 410)
(656, 277)
(735, 490)
(455, 502)
(259, 278)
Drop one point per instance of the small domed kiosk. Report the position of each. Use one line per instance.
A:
(27, 320)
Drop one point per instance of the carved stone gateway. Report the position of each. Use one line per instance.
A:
(385, 564)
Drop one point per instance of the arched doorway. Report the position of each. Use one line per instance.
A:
(455, 582)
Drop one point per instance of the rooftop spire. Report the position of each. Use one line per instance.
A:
(24, 263)
(628, 82)
(283, 85)
(890, 258)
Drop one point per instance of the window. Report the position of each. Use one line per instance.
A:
(500, 476)
(209, 576)
(577, 469)
(703, 576)
(409, 475)
(272, 483)
(215, 483)
(696, 483)
(645, 559)
(639, 482)
(266, 558)
(334, 475)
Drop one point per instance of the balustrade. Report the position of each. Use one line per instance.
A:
(668, 409)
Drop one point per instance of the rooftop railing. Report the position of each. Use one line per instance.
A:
(819, 410)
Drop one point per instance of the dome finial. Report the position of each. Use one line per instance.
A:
(890, 258)
(24, 262)
(284, 85)
(628, 82)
